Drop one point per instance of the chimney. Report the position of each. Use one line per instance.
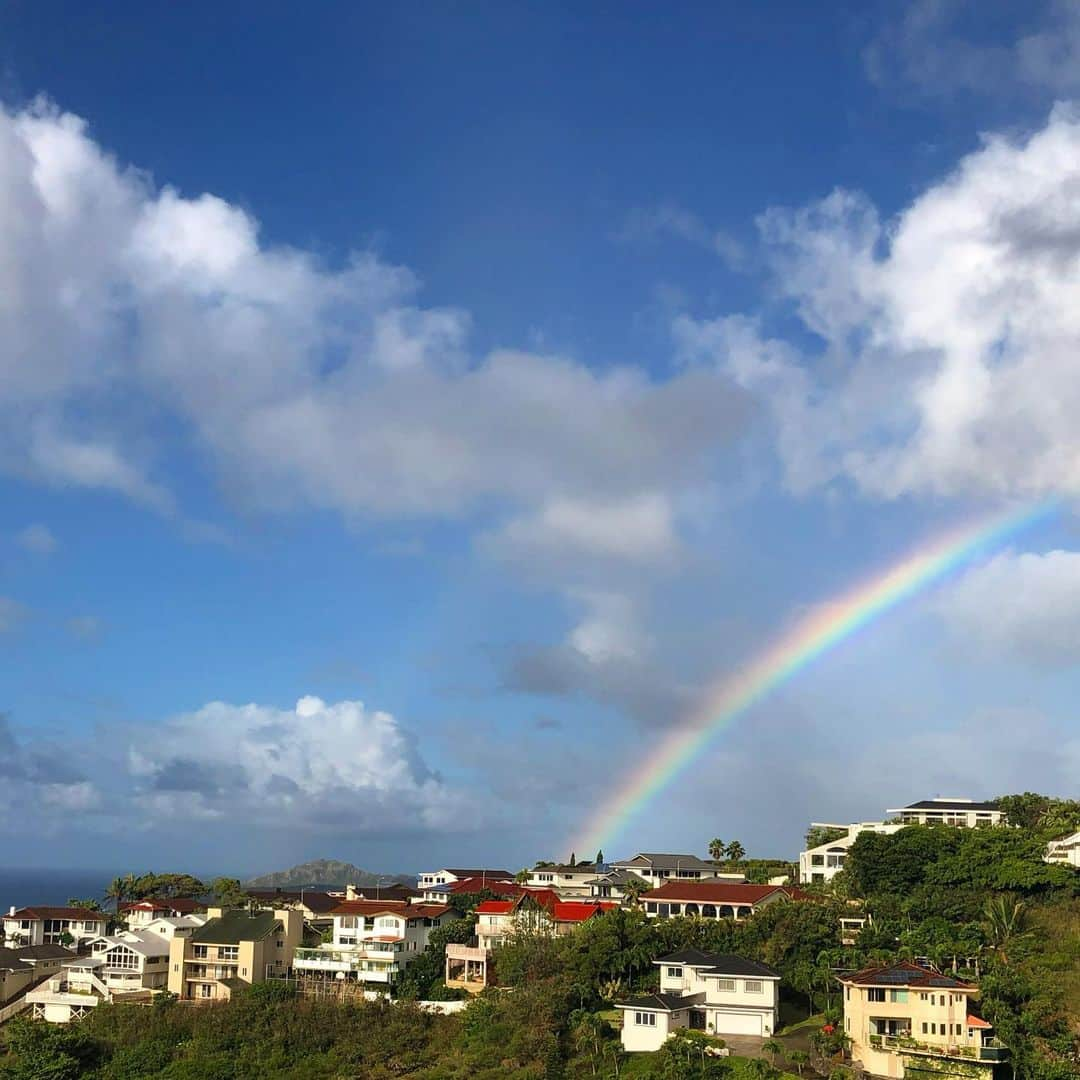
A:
(350, 893)
(11, 912)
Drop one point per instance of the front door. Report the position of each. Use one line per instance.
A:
(697, 1019)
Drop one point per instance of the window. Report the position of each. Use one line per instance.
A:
(725, 985)
(847, 993)
(645, 1019)
(924, 1027)
(206, 990)
(817, 860)
(228, 952)
(674, 972)
(243, 971)
(898, 996)
(753, 986)
(875, 994)
(200, 952)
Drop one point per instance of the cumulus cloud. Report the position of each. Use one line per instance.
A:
(37, 538)
(303, 385)
(949, 335)
(1023, 606)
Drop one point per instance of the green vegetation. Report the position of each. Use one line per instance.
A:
(980, 902)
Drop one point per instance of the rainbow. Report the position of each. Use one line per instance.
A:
(813, 635)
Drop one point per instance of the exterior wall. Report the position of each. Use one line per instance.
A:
(566, 882)
(643, 1037)
(14, 982)
(655, 876)
(726, 1008)
(659, 909)
(33, 931)
(943, 816)
(824, 862)
(943, 1012)
(1065, 851)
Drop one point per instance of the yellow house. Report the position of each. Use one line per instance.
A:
(905, 1020)
(233, 949)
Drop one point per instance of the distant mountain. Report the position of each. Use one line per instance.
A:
(325, 872)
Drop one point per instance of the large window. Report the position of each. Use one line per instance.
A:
(122, 959)
(228, 952)
(875, 993)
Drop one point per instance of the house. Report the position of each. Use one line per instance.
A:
(903, 1016)
(612, 885)
(965, 813)
(140, 913)
(233, 949)
(568, 880)
(441, 894)
(373, 940)
(41, 925)
(315, 905)
(715, 899)
(1065, 851)
(822, 863)
(21, 968)
(182, 926)
(533, 911)
(720, 994)
(658, 868)
(449, 875)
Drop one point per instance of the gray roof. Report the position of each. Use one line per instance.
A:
(617, 877)
(663, 1002)
(662, 861)
(236, 926)
(950, 804)
(720, 964)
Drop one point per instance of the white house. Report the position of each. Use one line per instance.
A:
(656, 868)
(715, 899)
(373, 941)
(722, 995)
(21, 968)
(613, 884)
(566, 880)
(1065, 851)
(448, 875)
(140, 913)
(40, 925)
(824, 862)
(964, 813)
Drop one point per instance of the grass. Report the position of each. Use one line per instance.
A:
(807, 1025)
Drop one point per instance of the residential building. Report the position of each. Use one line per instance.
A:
(315, 905)
(822, 863)
(965, 813)
(21, 968)
(658, 868)
(903, 1016)
(571, 881)
(441, 894)
(233, 949)
(182, 926)
(715, 899)
(723, 995)
(448, 875)
(140, 913)
(1065, 851)
(373, 940)
(612, 885)
(43, 925)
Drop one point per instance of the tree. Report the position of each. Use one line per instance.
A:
(717, 847)
(817, 835)
(573, 859)
(633, 889)
(87, 904)
(228, 892)
(735, 851)
(799, 1058)
(772, 1048)
(599, 856)
(1005, 922)
(120, 889)
(521, 877)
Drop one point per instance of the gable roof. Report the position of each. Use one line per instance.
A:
(577, 912)
(721, 892)
(905, 973)
(391, 907)
(84, 914)
(665, 861)
(720, 964)
(616, 878)
(321, 903)
(236, 926)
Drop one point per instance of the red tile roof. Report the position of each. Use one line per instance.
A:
(575, 911)
(475, 885)
(721, 892)
(977, 1022)
(390, 907)
(59, 913)
(181, 904)
(496, 907)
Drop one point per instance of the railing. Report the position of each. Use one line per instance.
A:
(905, 1044)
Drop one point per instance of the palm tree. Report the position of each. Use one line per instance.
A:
(800, 1059)
(633, 889)
(521, 877)
(735, 851)
(1005, 920)
(717, 847)
(121, 888)
(772, 1048)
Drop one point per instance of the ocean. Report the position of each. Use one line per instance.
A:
(26, 887)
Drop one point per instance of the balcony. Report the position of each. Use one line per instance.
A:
(990, 1051)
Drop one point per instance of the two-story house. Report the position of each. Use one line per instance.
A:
(903, 1017)
(615, 885)
(715, 899)
(21, 968)
(448, 875)
(233, 949)
(569, 881)
(658, 868)
(43, 925)
(963, 813)
(823, 862)
(138, 914)
(720, 994)
(373, 941)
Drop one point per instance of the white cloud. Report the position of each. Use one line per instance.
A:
(1022, 606)
(669, 219)
(331, 764)
(38, 539)
(610, 629)
(950, 335)
(302, 385)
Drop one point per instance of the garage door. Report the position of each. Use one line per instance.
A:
(737, 1023)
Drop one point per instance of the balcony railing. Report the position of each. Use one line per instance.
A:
(990, 1051)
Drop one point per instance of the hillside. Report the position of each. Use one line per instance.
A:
(324, 872)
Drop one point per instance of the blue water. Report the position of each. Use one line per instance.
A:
(26, 887)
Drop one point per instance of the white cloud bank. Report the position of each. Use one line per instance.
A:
(950, 335)
(303, 385)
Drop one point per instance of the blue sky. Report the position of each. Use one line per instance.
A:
(491, 379)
